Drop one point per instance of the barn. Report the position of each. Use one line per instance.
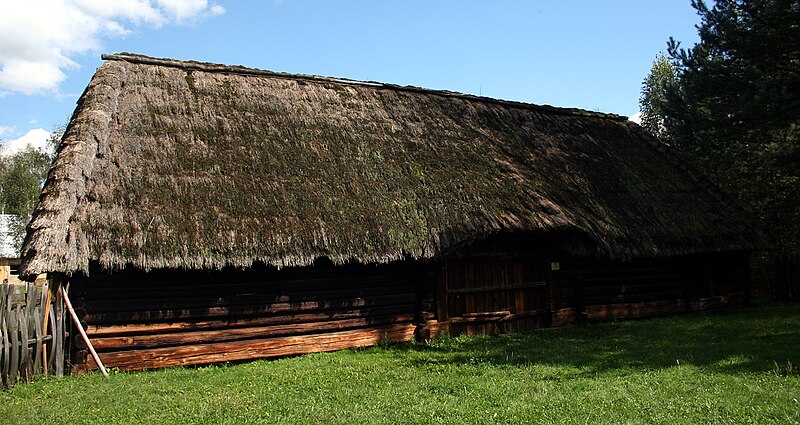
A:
(199, 213)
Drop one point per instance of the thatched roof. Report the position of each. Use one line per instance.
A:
(191, 165)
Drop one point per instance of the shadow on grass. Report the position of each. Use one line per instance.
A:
(755, 339)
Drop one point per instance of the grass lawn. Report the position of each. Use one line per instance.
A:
(737, 366)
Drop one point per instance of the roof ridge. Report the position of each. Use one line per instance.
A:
(242, 70)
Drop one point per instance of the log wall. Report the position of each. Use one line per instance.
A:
(138, 320)
(603, 290)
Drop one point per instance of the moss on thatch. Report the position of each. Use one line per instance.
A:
(190, 165)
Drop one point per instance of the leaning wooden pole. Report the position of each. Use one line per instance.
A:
(82, 332)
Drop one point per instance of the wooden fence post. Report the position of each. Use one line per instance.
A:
(24, 335)
(47, 298)
(58, 330)
(5, 340)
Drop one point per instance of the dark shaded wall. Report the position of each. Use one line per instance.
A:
(166, 318)
(504, 283)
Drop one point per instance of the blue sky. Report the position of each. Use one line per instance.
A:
(590, 54)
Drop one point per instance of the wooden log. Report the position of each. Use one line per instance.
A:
(634, 298)
(254, 349)
(475, 321)
(478, 317)
(719, 301)
(193, 299)
(523, 315)
(188, 338)
(634, 310)
(564, 317)
(431, 329)
(274, 308)
(183, 326)
(427, 315)
(490, 314)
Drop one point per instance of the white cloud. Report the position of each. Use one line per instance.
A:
(39, 38)
(217, 10)
(5, 130)
(183, 10)
(36, 137)
(637, 118)
(29, 77)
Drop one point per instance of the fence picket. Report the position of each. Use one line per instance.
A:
(15, 343)
(60, 329)
(44, 303)
(25, 332)
(52, 358)
(37, 329)
(4, 352)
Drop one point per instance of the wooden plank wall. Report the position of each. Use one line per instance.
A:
(497, 285)
(31, 333)
(138, 320)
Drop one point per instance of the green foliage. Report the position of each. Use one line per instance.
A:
(735, 112)
(21, 177)
(656, 85)
(727, 367)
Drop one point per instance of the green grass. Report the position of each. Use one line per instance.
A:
(737, 366)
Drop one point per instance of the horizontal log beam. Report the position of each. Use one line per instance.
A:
(495, 316)
(185, 326)
(502, 313)
(564, 317)
(188, 338)
(248, 310)
(193, 299)
(668, 296)
(708, 303)
(634, 310)
(253, 349)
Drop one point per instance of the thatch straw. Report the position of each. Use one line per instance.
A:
(189, 165)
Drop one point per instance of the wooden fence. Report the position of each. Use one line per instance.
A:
(32, 333)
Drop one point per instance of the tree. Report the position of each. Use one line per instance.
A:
(656, 85)
(735, 110)
(21, 177)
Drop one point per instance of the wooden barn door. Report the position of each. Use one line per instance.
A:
(496, 293)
